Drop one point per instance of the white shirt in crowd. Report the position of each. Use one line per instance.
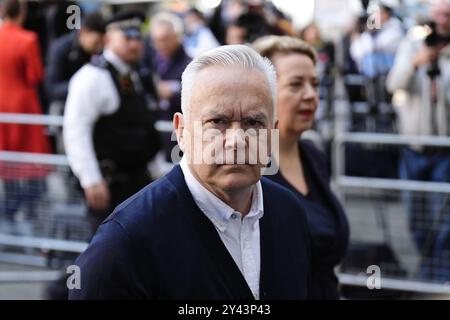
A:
(200, 41)
(387, 40)
(240, 235)
(92, 94)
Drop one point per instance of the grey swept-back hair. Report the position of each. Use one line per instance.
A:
(169, 19)
(228, 56)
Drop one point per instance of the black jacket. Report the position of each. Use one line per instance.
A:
(159, 245)
(326, 219)
(65, 57)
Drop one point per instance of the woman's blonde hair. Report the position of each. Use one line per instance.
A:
(268, 46)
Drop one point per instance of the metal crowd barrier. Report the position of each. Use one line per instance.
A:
(58, 221)
(48, 224)
(53, 120)
(380, 218)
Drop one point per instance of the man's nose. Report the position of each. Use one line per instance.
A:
(235, 138)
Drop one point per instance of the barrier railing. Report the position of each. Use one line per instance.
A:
(56, 221)
(387, 215)
(40, 218)
(53, 120)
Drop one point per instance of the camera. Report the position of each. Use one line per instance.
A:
(434, 40)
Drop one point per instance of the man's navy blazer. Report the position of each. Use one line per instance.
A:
(159, 245)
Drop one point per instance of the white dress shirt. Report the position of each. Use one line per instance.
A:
(240, 235)
(92, 94)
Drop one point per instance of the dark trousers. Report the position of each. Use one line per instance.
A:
(429, 213)
(21, 193)
(121, 185)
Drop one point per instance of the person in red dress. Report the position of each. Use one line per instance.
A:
(21, 70)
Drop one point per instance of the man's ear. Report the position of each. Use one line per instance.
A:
(178, 126)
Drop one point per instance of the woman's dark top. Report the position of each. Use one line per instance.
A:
(327, 221)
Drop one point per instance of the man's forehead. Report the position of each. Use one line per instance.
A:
(234, 110)
(233, 82)
(217, 70)
(230, 89)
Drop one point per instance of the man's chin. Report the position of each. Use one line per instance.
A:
(236, 166)
(237, 169)
(238, 176)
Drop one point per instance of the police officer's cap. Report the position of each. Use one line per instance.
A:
(130, 22)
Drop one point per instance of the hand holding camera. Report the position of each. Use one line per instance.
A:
(426, 55)
(429, 54)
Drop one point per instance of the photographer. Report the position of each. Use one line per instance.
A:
(421, 72)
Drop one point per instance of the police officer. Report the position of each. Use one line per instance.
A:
(109, 132)
(70, 52)
(66, 56)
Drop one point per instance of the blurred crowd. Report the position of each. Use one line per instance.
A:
(362, 56)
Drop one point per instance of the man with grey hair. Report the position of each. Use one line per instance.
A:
(168, 58)
(212, 228)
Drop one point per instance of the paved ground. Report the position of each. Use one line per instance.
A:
(382, 221)
(20, 290)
